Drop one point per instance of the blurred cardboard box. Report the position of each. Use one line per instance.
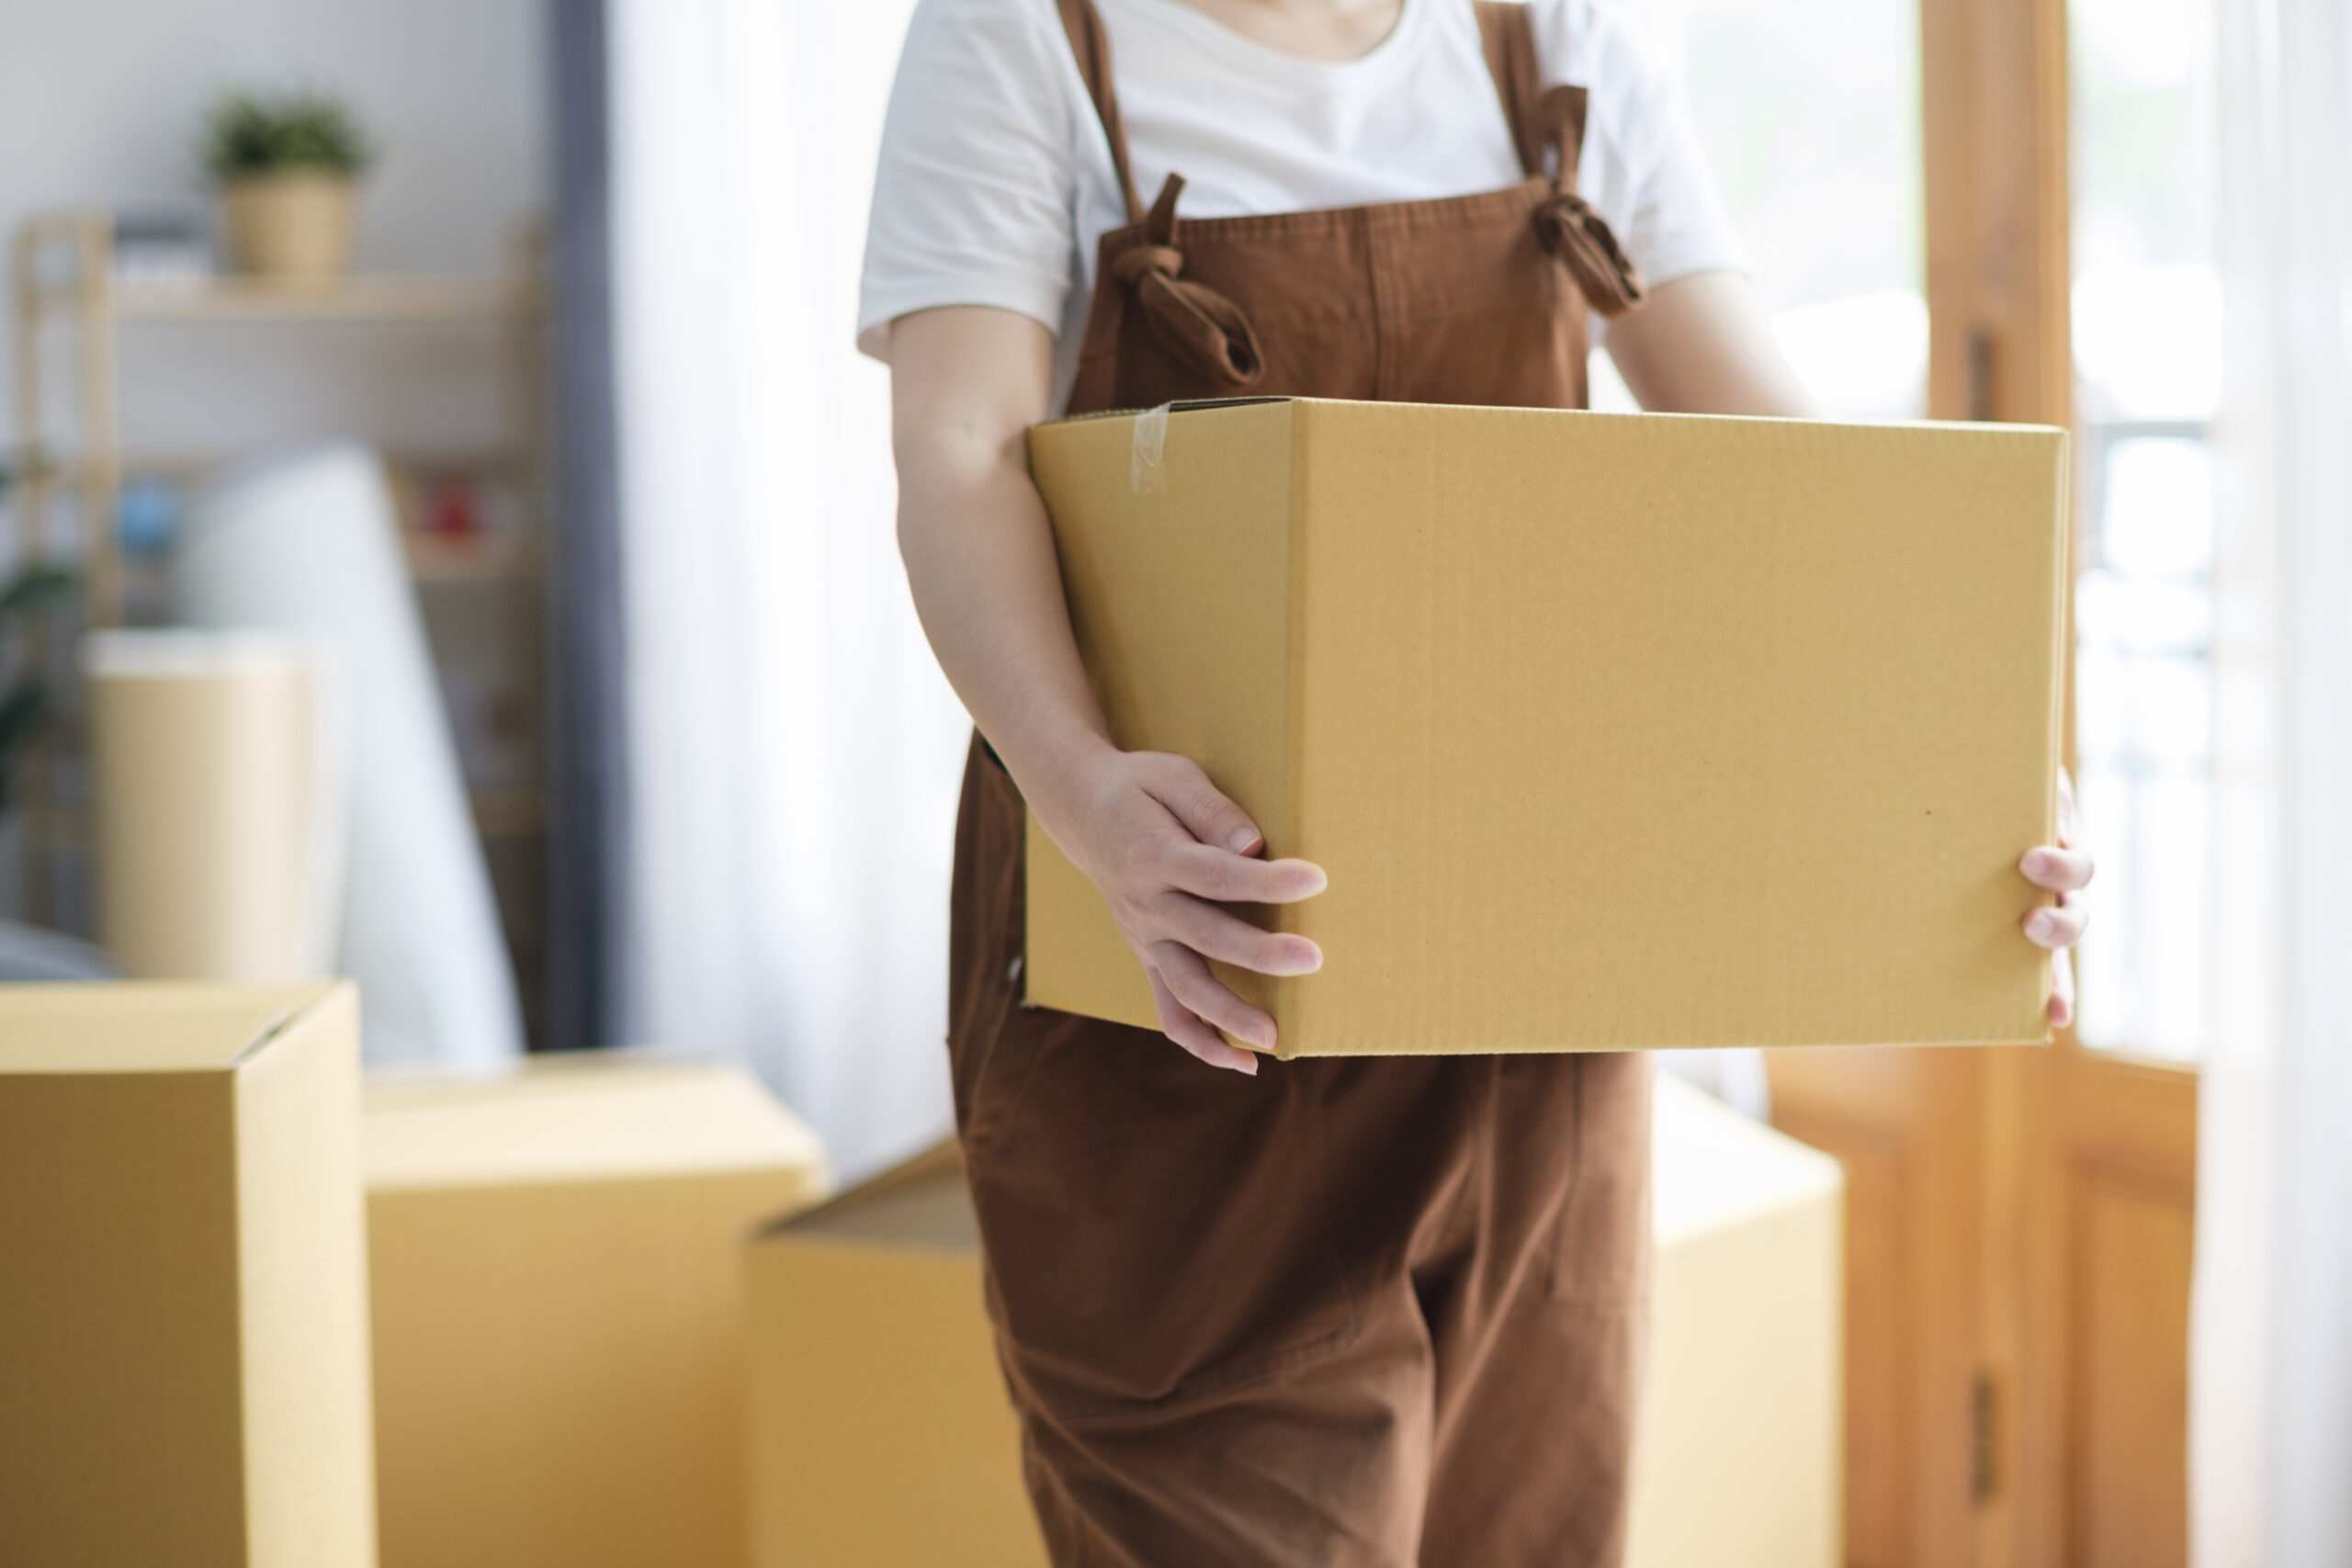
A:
(1613, 731)
(1740, 1454)
(558, 1273)
(182, 1291)
(881, 1435)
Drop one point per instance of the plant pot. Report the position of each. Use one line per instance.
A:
(293, 227)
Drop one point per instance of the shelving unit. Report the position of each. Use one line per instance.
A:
(75, 467)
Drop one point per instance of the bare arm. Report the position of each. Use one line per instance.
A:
(965, 386)
(1702, 344)
(1157, 838)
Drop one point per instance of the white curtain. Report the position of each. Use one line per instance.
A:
(795, 750)
(2272, 1375)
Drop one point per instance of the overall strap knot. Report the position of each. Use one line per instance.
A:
(1205, 331)
(1580, 238)
(1132, 265)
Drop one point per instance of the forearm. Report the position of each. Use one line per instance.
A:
(980, 554)
(979, 559)
(1702, 344)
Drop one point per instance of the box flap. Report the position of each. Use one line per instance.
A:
(583, 1117)
(920, 1203)
(141, 1026)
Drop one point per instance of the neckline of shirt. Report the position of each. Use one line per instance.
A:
(1272, 65)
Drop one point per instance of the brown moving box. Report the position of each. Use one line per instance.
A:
(1613, 731)
(557, 1260)
(881, 1436)
(183, 1290)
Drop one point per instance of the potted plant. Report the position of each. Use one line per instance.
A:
(287, 166)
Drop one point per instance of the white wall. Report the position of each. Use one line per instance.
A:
(101, 102)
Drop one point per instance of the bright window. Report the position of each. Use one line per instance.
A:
(2148, 361)
(1809, 117)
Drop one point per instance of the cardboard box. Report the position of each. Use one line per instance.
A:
(1740, 1456)
(557, 1259)
(1613, 731)
(880, 1432)
(881, 1435)
(182, 1291)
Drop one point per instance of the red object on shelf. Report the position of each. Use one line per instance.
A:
(452, 512)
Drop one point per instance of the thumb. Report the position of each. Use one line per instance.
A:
(1179, 785)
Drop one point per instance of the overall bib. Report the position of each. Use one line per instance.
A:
(1370, 1311)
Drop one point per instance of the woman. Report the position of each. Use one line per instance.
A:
(1338, 1310)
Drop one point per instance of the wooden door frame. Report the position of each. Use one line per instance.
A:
(1995, 104)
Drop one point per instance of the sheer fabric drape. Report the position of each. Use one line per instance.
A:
(795, 750)
(2271, 1382)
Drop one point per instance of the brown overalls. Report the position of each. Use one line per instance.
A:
(1370, 1311)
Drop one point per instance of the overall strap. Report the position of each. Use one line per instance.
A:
(1092, 46)
(1540, 122)
(1551, 121)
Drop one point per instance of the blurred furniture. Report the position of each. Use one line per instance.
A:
(306, 547)
(482, 583)
(27, 954)
(881, 1434)
(182, 1302)
(556, 1258)
(208, 807)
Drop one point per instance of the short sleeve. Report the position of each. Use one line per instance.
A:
(973, 195)
(1642, 168)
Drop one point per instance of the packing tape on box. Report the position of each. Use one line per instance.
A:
(1145, 469)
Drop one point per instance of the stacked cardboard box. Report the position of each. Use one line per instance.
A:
(182, 1296)
(557, 1266)
(881, 1436)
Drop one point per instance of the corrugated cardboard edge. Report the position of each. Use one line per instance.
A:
(1304, 418)
(2062, 637)
(275, 1026)
(308, 1384)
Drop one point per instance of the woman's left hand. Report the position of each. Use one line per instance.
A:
(2065, 870)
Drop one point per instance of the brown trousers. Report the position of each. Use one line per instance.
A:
(1379, 1311)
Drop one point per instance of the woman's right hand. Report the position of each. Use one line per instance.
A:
(1166, 848)
(967, 381)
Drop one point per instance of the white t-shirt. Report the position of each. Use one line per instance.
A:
(996, 178)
